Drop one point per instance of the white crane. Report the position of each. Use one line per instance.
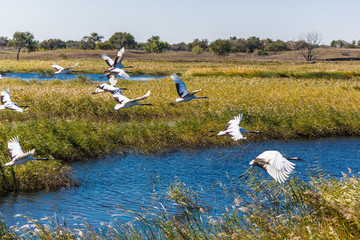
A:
(124, 102)
(116, 67)
(108, 88)
(16, 154)
(184, 94)
(234, 130)
(112, 79)
(117, 63)
(7, 103)
(274, 163)
(112, 72)
(61, 70)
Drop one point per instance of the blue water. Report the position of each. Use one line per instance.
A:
(94, 77)
(136, 181)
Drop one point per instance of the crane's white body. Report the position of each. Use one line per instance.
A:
(233, 129)
(182, 91)
(107, 88)
(115, 66)
(274, 163)
(117, 63)
(7, 103)
(16, 154)
(124, 102)
(112, 79)
(117, 71)
(61, 70)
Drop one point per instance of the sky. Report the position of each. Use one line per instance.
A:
(182, 21)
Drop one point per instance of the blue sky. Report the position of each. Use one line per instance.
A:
(182, 21)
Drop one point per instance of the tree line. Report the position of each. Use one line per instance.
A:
(306, 44)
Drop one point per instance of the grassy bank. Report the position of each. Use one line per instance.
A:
(67, 122)
(320, 209)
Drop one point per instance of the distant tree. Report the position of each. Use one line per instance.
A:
(178, 46)
(291, 45)
(220, 47)
(104, 45)
(52, 44)
(72, 44)
(154, 44)
(140, 46)
(89, 42)
(123, 39)
(238, 45)
(307, 45)
(265, 42)
(203, 44)
(338, 43)
(260, 52)
(3, 42)
(253, 43)
(197, 50)
(22, 40)
(353, 44)
(276, 46)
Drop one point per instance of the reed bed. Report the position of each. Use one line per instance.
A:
(323, 208)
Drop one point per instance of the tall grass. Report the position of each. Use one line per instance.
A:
(67, 122)
(251, 73)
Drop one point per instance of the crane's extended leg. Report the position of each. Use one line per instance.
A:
(247, 172)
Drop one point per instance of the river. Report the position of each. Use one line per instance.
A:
(135, 181)
(71, 76)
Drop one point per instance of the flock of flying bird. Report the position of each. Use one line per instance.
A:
(278, 166)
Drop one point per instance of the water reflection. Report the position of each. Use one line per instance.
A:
(137, 181)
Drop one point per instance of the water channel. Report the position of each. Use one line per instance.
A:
(71, 76)
(135, 181)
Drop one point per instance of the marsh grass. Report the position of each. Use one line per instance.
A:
(65, 121)
(264, 73)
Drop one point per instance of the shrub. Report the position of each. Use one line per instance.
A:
(220, 47)
(197, 50)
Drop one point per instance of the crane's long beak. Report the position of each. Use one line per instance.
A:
(258, 132)
(295, 159)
